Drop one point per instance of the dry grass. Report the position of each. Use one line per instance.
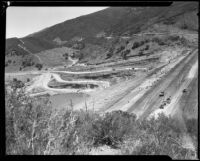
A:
(33, 127)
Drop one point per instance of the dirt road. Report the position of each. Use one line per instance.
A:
(141, 96)
(43, 80)
(172, 84)
(68, 72)
(24, 48)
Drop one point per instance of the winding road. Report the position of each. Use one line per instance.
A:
(43, 80)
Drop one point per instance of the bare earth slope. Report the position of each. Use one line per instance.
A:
(141, 96)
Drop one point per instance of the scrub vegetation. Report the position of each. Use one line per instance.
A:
(34, 127)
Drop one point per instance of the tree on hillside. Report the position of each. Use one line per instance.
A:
(17, 84)
(27, 63)
(141, 53)
(135, 45)
(39, 66)
(125, 53)
(73, 55)
(66, 55)
(109, 55)
(147, 47)
(120, 49)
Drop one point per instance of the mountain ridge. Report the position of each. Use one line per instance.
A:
(97, 28)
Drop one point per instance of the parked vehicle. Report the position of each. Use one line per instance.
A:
(161, 94)
(161, 106)
(169, 100)
(164, 103)
(185, 90)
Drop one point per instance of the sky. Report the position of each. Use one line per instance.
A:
(22, 21)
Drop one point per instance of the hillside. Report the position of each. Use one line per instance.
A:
(96, 34)
(117, 20)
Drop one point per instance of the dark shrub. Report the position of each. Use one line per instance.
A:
(125, 53)
(159, 41)
(66, 56)
(81, 56)
(147, 47)
(141, 53)
(170, 21)
(17, 84)
(192, 126)
(183, 41)
(111, 129)
(184, 26)
(27, 63)
(120, 49)
(109, 55)
(135, 45)
(26, 119)
(39, 66)
(9, 61)
(173, 38)
(141, 43)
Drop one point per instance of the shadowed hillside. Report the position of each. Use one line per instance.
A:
(90, 33)
(117, 20)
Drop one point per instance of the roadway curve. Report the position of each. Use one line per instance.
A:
(43, 80)
(105, 84)
(45, 77)
(69, 72)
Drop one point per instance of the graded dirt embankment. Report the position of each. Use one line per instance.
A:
(137, 95)
(179, 81)
(141, 96)
(43, 80)
(45, 77)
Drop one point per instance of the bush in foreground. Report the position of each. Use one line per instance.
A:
(34, 127)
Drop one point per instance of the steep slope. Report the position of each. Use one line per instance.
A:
(91, 33)
(33, 44)
(138, 19)
(12, 47)
(117, 20)
(84, 26)
(36, 45)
